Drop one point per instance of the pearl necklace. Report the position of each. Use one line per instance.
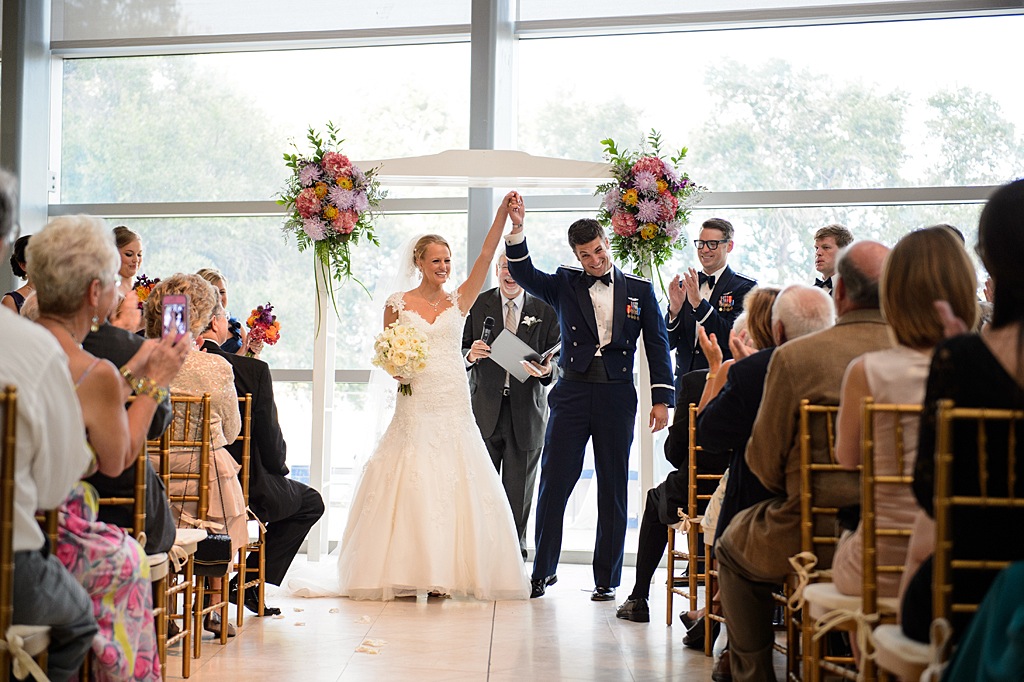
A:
(436, 303)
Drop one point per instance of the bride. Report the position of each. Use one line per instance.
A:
(429, 514)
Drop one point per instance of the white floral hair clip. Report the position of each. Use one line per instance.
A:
(529, 320)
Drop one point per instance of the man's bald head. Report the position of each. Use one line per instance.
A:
(859, 267)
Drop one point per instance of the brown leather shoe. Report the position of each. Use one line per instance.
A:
(722, 672)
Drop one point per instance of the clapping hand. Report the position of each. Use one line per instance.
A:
(740, 345)
(676, 296)
(951, 324)
(691, 285)
(712, 351)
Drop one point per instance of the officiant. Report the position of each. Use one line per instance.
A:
(511, 414)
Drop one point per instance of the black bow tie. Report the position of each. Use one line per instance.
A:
(823, 283)
(709, 279)
(591, 280)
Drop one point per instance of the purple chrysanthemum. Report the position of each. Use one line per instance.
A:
(358, 177)
(648, 211)
(314, 228)
(673, 230)
(359, 201)
(611, 199)
(645, 182)
(309, 174)
(671, 174)
(342, 198)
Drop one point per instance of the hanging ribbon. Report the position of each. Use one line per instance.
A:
(863, 623)
(23, 663)
(803, 565)
(938, 648)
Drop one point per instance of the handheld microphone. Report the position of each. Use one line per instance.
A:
(488, 328)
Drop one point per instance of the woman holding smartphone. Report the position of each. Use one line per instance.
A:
(74, 268)
(190, 301)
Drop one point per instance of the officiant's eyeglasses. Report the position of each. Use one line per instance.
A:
(710, 243)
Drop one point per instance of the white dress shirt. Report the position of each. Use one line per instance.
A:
(603, 297)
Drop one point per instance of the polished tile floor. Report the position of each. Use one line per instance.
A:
(561, 636)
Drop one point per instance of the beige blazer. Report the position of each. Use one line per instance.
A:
(763, 537)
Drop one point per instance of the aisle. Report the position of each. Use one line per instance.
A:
(562, 636)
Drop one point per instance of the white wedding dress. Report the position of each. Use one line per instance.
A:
(429, 512)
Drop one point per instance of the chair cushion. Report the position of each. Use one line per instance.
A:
(820, 598)
(158, 565)
(189, 538)
(898, 654)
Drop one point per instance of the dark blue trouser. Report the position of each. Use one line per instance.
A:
(582, 411)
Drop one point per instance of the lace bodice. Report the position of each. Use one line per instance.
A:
(443, 385)
(208, 373)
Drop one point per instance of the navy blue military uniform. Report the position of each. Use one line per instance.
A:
(593, 398)
(716, 315)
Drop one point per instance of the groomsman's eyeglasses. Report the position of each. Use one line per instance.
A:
(710, 243)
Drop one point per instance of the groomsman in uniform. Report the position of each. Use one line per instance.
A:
(827, 242)
(601, 312)
(511, 414)
(712, 298)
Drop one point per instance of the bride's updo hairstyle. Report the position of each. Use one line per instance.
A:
(423, 242)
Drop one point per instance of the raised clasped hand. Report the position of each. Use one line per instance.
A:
(513, 203)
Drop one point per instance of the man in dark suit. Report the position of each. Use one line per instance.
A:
(287, 507)
(712, 298)
(601, 312)
(511, 414)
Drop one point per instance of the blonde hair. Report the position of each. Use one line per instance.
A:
(65, 257)
(123, 237)
(213, 276)
(203, 298)
(926, 266)
(423, 242)
(757, 305)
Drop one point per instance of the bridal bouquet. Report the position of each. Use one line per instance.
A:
(330, 203)
(263, 328)
(401, 351)
(143, 285)
(647, 204)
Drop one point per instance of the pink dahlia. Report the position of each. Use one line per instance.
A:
(314, 228)
(309, 174)
(307, 203)
(648, 211)
(346, 222)
(624, 223)
(645, 182)
(336, 164)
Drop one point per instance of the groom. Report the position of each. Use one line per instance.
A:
(601, 312)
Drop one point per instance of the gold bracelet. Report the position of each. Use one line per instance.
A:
(710, 376)
(144, 386)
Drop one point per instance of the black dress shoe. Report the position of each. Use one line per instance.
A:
(603, 594)
(722, 672)
(694, 637)
(635, 610)
(540, 585)
(252, 601)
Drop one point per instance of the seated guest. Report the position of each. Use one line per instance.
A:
(754, 550)
(119, 346)
(74, 266)
(203, 373)
(287, 507)
(985, 370)
(664, 501)
(925, 266)
(15, 299)
(50, 456)
(236, 341)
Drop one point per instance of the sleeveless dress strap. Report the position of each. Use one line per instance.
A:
(88, 369)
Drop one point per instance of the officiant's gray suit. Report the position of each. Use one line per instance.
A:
(512, 425)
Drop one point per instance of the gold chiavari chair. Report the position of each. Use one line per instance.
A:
(180, 577)
(257, 540)
(195, 437)
(18, 642)
(823, 603)
(817, 529)
(989, 483)
(696, 573)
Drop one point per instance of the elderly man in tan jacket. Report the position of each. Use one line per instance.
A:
(755, 549)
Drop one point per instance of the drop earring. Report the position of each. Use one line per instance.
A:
(95, 326)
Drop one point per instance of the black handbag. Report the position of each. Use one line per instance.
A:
(213, 555)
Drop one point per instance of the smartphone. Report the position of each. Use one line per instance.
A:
(175, 308)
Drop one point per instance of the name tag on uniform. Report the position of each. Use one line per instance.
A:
(632, 308)
(725, 303)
